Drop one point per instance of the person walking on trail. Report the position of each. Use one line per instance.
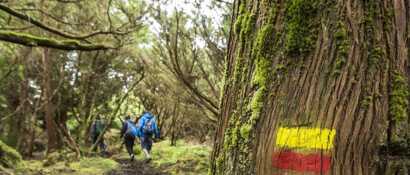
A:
(129, 133)
(96, 130)
(147, 128)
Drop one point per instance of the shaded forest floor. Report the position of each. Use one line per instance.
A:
(184, 158)
(127, 167)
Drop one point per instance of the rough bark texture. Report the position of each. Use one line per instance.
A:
(339, 66)
(52, 134)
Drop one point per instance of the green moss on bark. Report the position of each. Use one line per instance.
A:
(241, 122)
(375, 56)
(244, 23)
(238, 22)
(300, 26)
(366, 101)
(399, 94)
(36, 41)
(263, 47)
(342, 47)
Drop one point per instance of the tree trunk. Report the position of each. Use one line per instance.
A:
(173, 126)
(17, 122)
(23, 117)
(328, 91)
(52, 133)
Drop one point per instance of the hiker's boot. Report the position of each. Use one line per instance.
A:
(147, 155)
(132, 157)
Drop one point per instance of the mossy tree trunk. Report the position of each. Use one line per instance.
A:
(15, 132)
(53, 142)
(322, 83)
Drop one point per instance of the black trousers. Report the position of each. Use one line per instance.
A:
(100, 144)
(129, 143)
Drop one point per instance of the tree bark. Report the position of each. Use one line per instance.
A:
(173, 127)
(315, 86)
(52, 133)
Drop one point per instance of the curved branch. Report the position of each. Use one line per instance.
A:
(54, 30)
(55, 18)
(225, 2)
(35, 22)
(35, 41)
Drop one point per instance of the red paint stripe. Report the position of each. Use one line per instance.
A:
(301, 162)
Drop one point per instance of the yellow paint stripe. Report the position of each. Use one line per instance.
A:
(312, 138)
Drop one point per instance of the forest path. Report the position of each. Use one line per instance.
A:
(139, 167)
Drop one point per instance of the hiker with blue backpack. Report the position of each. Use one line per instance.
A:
(147, 129)
(129, 132)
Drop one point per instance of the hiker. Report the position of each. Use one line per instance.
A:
(147, 128)
(96, 130)
(129, 133)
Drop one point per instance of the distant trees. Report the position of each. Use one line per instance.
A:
(185, 67)
(65, 62)
(62, 91)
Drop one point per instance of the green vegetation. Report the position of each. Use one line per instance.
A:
(241, 124)
(398, 103)
(375, 56)
(366, 101)
(34, 41)
(263, 46)
(342, 46)
(66, 65)
(301, 25)
(91, 166)
(9, 157)
(184, 158)
(94, 165)
(239, 21)
(103, 60)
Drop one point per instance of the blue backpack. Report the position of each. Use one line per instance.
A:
(148, 127)
(131, 129)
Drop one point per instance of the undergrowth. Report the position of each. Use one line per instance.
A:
(89, 166)
(184, 158)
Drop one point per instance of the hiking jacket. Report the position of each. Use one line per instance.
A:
(141, 122)
(97, 128)
(128, 127)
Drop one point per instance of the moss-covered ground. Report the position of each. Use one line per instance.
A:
(184, 158)
(89, 165)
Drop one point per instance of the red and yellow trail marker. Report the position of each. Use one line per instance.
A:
(311, 138)
(314, 141)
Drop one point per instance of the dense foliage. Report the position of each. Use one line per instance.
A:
(63, 63)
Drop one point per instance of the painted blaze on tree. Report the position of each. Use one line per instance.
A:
(316, 87)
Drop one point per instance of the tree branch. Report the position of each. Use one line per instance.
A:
(225, 2)
(35, 41)
(53, 30)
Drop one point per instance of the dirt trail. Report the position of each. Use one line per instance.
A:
(136, 167)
